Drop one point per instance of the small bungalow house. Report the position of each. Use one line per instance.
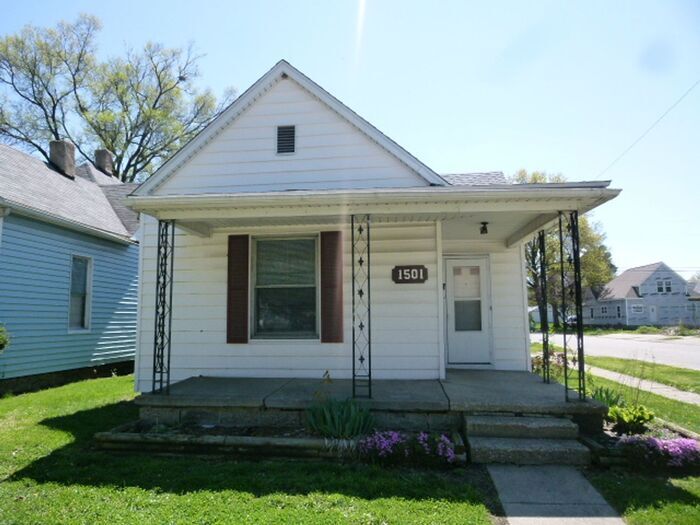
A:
(68, 267)
(646, 295)
(292, 239)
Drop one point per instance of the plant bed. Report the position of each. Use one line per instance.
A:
(255, 441)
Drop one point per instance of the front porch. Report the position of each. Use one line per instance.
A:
(396, 404)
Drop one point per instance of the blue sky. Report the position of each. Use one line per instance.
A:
(558, 86)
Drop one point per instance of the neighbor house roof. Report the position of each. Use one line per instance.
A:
(626, 285)
(90, 202)
(475, 179)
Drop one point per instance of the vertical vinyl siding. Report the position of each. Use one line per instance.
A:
(35, 265)
(404, 317)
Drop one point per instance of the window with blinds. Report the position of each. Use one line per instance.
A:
(285, 290)
(79, 307)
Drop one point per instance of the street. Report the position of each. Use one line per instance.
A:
(683, 352)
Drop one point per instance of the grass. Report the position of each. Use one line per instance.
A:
(646, 499)
(681, 378)
(50, 473)
(682, 414)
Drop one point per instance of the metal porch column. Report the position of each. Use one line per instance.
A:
(571, 303)
(163, 310)
(361, 307)
(544, 316)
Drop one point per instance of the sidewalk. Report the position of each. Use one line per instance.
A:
(648, 386)
(552, 494)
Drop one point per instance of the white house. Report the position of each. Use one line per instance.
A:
(306, 243)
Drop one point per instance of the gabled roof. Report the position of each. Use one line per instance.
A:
(284, 69)
(29, 186)
(626, 285)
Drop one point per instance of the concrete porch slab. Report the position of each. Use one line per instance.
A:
(518, 392)
(389, 395)
(215, 392)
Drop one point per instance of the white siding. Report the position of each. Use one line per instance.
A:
(330, 152)
(404, 317)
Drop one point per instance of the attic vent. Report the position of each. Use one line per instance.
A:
(285, 139)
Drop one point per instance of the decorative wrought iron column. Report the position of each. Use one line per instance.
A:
(571, 303)
(544, 316)
(163, 310)
(361, 307)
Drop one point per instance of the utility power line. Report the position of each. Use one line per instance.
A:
(653, 125)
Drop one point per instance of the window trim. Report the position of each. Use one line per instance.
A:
(253, 336)
(88, 293)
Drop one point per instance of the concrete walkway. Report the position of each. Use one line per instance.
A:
(537, 495)
(649, 386)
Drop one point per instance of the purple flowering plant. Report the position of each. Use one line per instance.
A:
(650, 452)
(400, 447)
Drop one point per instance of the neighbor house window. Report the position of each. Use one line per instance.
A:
(604, 310)
(285, 292)
(667, 284)
(660, 286)
(286, 139)
(592, 313)
(619, 312)
(637, 309)
(80, 284)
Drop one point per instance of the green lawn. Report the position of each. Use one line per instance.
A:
(49, 473)
(645, 499)
(683, 414)
(681, 378)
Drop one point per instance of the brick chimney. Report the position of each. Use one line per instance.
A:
(62, 157)
(103, 161)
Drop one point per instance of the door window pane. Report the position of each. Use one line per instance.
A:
(467, 281)
(467, 316)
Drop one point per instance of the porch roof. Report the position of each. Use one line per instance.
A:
(514, 211)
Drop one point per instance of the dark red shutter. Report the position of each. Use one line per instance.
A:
(237, 305)
(331, 287)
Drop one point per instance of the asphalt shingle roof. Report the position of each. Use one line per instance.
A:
(475, 179)
(28, 182)
(626, 285)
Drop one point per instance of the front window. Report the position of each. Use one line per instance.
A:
(619, 312)
(660, 286)
(667, 284)
(638, 309)
(285, 291)
(604, 310)
(79, 308)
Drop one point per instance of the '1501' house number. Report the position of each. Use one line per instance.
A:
(416, 273)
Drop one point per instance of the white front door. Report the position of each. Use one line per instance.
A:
(468, 311)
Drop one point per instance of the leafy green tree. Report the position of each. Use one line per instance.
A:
(597, 268)
(142, 106)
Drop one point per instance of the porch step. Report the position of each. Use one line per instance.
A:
(521, 427)
(522, 451)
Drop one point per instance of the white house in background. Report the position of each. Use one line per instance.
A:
(290, 208)
(646, 295)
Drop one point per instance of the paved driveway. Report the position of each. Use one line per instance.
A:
(683, 352)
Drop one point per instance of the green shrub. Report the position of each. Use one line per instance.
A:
(339, 419)
(608, 396)
(648, 330)
(4, 338)
(629, 419)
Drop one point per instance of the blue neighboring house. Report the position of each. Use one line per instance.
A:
(68, 268)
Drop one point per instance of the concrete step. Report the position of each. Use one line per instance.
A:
(528, 451)
(521, 427)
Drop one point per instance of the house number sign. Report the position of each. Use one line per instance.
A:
(416, 273)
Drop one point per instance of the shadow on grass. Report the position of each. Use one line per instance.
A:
(631, 490)
(81, 464)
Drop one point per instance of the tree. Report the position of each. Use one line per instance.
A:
(142, 106)
(597, 268)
